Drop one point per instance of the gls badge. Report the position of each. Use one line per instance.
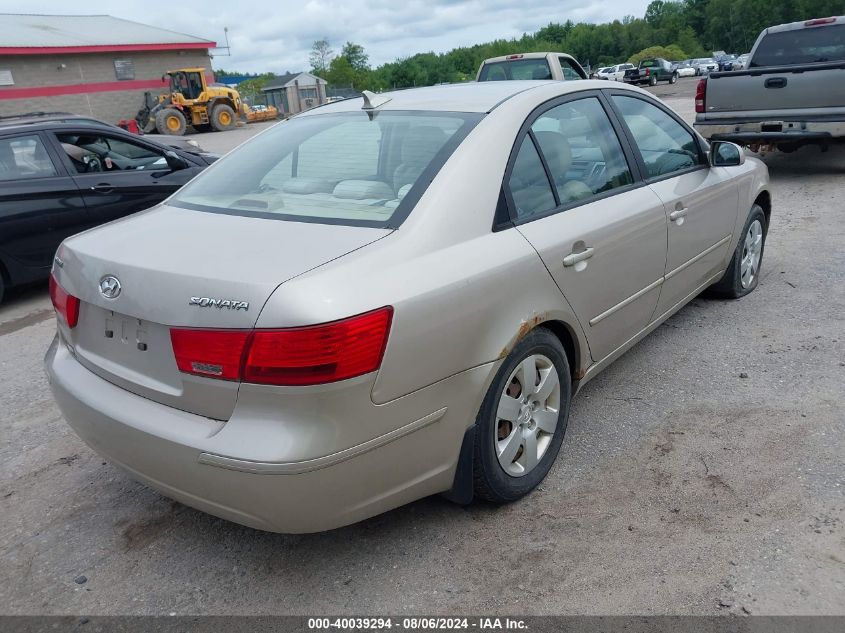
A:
(210, 302)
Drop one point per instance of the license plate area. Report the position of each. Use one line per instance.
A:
(120, 346)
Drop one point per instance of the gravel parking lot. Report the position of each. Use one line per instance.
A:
(701, 473)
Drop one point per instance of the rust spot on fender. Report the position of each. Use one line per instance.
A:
(578, 374)
(524, 328)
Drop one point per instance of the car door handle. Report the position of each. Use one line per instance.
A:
(574, 258)
(677, 214)
(103, 187)
(775, 82)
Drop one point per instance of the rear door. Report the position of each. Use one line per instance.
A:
(118, 175)
(701, 202)
(574, 195)
(40, 205)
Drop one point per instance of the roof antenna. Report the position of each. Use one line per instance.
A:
(372, 100)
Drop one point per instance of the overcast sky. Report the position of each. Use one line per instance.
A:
(276, 35)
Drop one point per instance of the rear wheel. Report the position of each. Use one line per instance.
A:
(523, 419)
(170, 121)
(223, 117)
(743, 273)
(652, 81)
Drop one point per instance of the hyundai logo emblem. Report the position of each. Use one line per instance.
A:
(110, 287)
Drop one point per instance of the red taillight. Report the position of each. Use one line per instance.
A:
(297, 356)
(66, 305)
(647, 72)
(819, 21)
(700, 95)
(321, 353)
(215, 353)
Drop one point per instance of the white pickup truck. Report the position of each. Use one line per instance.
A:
(557, 66)
(791, 93)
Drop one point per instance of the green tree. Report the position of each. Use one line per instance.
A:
(355, 55)
(320, 56)
(672, 52)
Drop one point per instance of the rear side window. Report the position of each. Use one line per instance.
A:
(23, 157)
(344, 168)
(581, 149)
(803, 46)
(666, 146)
(516, 69)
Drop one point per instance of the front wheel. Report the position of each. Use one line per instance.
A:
(673, 78)
(743, 273)
(170, 121)
(223, 117)
(523, 418)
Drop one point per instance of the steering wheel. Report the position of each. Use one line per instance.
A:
(94, 163)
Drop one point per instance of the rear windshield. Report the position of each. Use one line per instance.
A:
(516, 69)
(803, 46)
(648, 63)
(345, 168)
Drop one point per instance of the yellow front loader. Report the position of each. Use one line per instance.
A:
(191, 101)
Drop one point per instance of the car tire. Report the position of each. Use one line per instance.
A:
(653, 80)
(673, 78)
(223, 118)
(519, 431)
(170, 121)
(743, 273)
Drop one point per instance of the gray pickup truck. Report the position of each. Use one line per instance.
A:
(791, 93)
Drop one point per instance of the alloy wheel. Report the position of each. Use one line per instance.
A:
(527, 415)
(752, 250)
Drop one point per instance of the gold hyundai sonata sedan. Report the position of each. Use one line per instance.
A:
(394, 296)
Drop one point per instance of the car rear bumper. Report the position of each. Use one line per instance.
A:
(201, 463)
(765, 132)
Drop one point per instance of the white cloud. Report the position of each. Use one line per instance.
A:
(277, 36)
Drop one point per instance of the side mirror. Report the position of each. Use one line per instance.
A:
(175, 162)
(725, 154)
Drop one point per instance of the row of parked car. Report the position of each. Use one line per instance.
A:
(687, 68)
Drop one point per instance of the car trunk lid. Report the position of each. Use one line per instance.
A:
(186, 269)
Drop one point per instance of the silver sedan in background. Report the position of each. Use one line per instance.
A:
(394, 296)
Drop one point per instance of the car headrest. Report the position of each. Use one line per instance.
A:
(309, 185)
(422, 143)
(363, 190)
(557, 151)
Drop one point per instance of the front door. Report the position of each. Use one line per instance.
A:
(602, 237)
(118, 176)
(701, 202)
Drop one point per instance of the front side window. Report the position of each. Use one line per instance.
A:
(23, 157)
(666, 146)
(568, 69)
(92, 152)
(581, 150)
(344, 168)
